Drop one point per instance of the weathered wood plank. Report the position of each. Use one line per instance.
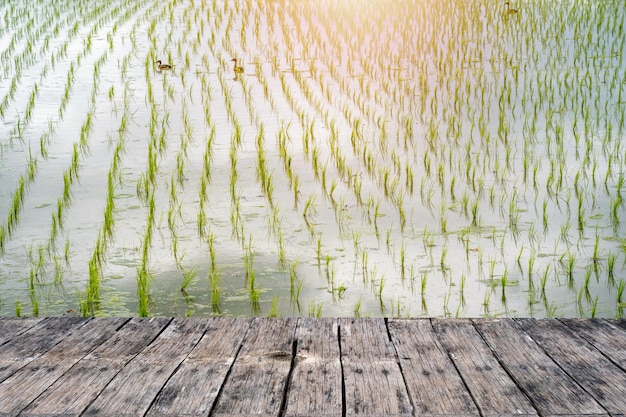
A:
(34, 342)
(373, 380)
(20, 389)
(135, 387)
(192, 390)
(621, 323)
(316, 384)
(62, 366)
(432, 380)
(131, 340)
(552, 391)
(590, 368)
(495, 393)
(604, 335)
(12, 327)
(258, 379)
(72, 393)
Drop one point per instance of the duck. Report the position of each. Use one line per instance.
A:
(508, 8)
(161, 66)
(237, 69)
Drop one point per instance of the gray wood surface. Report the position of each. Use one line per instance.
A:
(312, 367)
(431, 378)
(552, 390)
(374, 384)
(193, 388)
(604, 335)
(316, 383)
(135, 387)
(495, 393)
(72, 393)
(13, 327)
(28, 346)
(258, 380)
(20, 389)
(584, 363)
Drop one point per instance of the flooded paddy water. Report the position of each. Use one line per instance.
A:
(370, 158)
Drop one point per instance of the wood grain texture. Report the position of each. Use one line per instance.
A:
(589, 367)
(604, 335)
(72, 393)
(373, 380)
(316, 384)
(13, 327)
(20, 389)
(493, 390)
(192, 390)
(135, 387)
(431, 378)
(312, 367)
(32, 343)
(552, 390)
(258, 380)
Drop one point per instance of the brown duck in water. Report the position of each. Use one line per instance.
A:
(161, 66)
(238, 70)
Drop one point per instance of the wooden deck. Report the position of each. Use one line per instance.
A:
(312, 367)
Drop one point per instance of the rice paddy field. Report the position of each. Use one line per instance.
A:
(370, 158)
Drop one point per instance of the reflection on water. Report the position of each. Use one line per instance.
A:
(387, 158)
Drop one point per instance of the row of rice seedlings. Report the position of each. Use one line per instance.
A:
(318, 170)
(205, 181)
(91, 303)
(30, 56)
(475, 208)
(71, 174)
(264, 178)
(29, 177)
(384, 173)
(214, 275)
(146, 189)
(45, 254)
(174, 212)
(341, 169)
(472, 173)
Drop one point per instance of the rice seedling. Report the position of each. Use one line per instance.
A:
(315, 310)
(620, 293)
(544, 278)
(188, 277)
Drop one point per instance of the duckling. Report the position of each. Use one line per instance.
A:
(162, 67)
(508, 8)
(238, 70)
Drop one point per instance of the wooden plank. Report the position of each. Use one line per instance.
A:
(72, 367)
(72, 393)
(590, 368)
(135, 387)
(19, 390)
(192, 390)
(495, 393)
(13, 327)
(552, 391)
(373, 380)
(604, 335)
(258, 379)
(621, 323)
(432, 380)
(34, 342)
(316, 383)
(131, 339)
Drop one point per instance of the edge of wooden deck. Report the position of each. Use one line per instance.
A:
(312, 367)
